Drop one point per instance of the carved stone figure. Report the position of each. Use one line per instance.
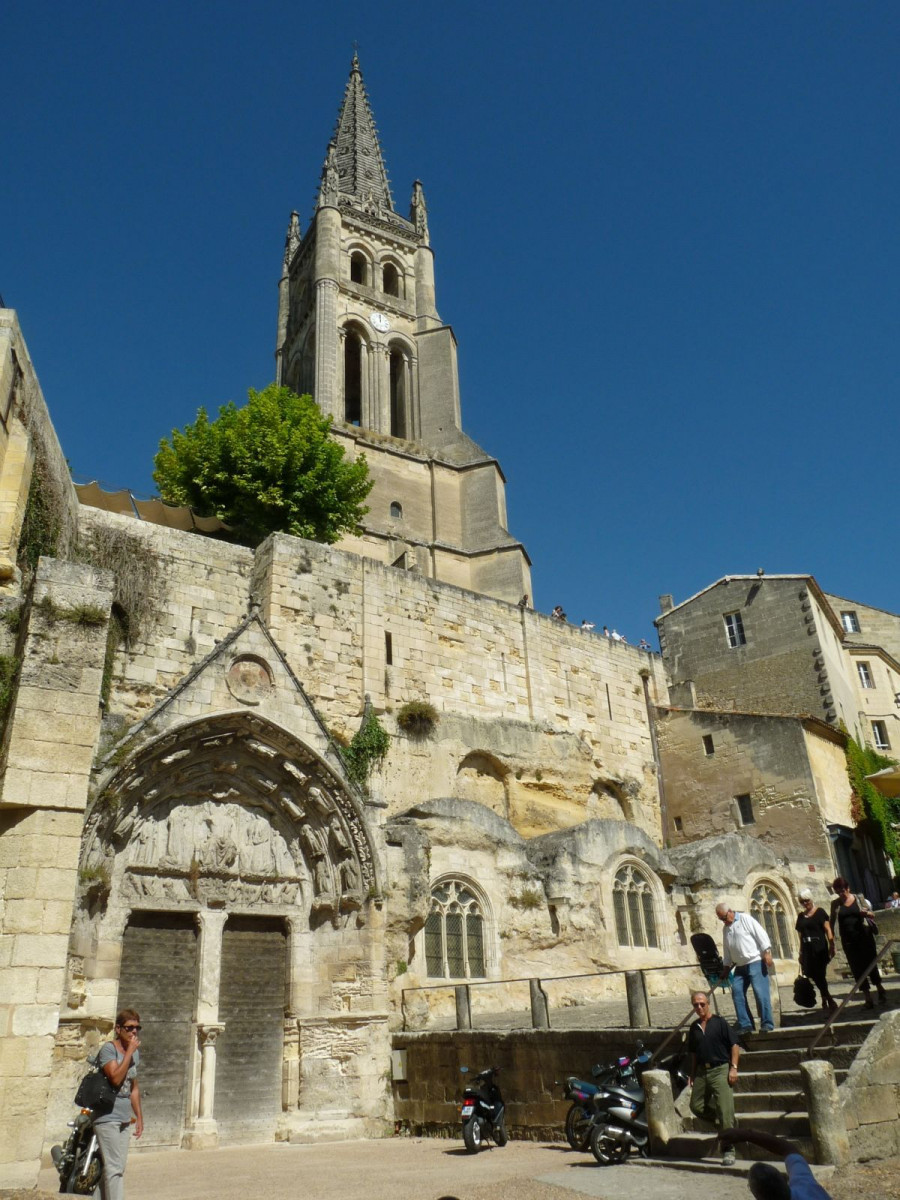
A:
(331, 184)
(317, 852)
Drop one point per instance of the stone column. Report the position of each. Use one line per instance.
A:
(15, 479)
(463, 1007)
(415, 417)
(826, 1116)
(202, 1132)
(540, 1015)
(662, 1119)
(290, 1066)
(636, 993)
(365, 392)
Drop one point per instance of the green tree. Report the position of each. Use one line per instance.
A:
(268, 466)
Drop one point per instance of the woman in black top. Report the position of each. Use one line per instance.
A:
(816, 946)
(857, 938)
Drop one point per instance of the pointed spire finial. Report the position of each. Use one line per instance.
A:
(292, 239)
(358, 157)
(418, 212)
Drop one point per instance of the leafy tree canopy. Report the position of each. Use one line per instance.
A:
(268, 466)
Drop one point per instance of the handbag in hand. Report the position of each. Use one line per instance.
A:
(96, 1093)
(804, 992)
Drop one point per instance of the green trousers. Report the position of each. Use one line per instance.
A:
(712, 1097)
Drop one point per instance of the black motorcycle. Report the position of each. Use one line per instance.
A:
(79, 1162)
(483, 1112)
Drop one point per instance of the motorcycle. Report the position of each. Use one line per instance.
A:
(619, 1122)
(581, 1092)
(483, 1111)
(79, 1162)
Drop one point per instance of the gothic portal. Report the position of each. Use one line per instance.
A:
(359, 330)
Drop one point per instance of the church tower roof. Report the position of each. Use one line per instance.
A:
(360, 165)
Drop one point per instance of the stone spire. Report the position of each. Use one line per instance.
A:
(360, 165)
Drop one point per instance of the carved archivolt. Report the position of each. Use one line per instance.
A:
(234, 811)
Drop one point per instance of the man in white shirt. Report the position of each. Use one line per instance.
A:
(747, 947)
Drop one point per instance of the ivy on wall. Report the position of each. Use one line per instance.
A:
(882, 813)
(367, 748)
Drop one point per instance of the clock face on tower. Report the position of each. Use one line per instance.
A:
(380, 322)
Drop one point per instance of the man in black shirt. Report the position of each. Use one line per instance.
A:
(714, 1054)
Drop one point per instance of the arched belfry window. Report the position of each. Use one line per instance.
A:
(359, 268)
(398, 394)
(396, 511)
(768, 908)
(390, 280)
(455, 932)
(634, 908)
(352, 378)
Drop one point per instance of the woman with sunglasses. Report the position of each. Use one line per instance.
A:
(854, 923)
(119, 1060)
(816, 946)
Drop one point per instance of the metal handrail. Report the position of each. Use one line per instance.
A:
(826, 1028)
(659, 1049)
(470, 983)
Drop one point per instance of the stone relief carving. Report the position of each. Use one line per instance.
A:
(249, 679)
(231, 817)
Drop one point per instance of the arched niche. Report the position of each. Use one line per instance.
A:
(229, 812)
(483, 778)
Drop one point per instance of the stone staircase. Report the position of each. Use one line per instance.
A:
(769, 1093)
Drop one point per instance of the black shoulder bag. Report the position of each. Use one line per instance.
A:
(96, 1093)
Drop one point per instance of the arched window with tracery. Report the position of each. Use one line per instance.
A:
(634, 909)
(767, 907)
(455, 932)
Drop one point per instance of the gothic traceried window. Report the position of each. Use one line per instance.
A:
(634, 909)
(454, 933)
(767, 907)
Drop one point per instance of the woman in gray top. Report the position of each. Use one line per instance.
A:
(119, 1060)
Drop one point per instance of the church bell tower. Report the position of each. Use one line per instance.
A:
(358, 329)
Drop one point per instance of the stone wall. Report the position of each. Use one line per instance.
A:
(533, 1065)
(50, 740)
(791, 661)
(877, 627)
(870, 1095)
(708, 759)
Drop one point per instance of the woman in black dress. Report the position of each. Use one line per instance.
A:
(816, 946)
(857, 938)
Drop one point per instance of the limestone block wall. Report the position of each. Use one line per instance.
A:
(352, 628)
(49, 746)
(870, 1095)
(26, 435)
(710, 758)
(877, 627)
(879, 701)
(791, 662)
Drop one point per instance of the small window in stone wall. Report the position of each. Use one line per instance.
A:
(396, 511)
(865, 675)
(734, 629)
(388, 650)
(454, 933)
(767, 907)
(880, 736)
(679, 825)
(633, 907)
(709, 746)
(745, 809)
(850, 621)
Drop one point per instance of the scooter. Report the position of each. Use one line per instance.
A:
(79, 1162)
(483, 1111)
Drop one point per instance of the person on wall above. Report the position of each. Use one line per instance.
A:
(747, 947)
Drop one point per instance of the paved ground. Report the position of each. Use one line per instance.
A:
(431, 1168)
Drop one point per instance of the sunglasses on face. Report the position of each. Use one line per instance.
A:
(131, 1028)
(699, 1004)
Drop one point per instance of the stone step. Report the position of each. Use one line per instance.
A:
(845, 1032)
(792, 1125)
(778, 1081)
(754, 1102)
(790, 1059)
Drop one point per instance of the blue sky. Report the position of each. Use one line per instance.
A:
(665, 235)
